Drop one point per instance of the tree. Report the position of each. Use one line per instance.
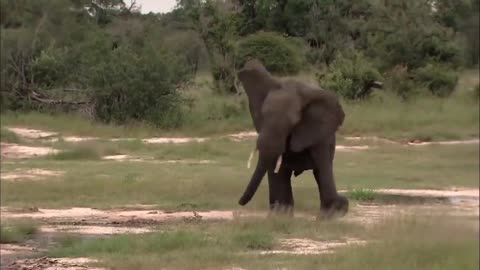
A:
(215, 23)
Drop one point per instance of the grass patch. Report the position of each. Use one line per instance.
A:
(417, 242)
(149, 244)
(254, 239)
(420, 118)
(93, 150)
(17, 231)
(9, 136)
(217, 149)
(362, 195)
(78, 153)
(218, 185)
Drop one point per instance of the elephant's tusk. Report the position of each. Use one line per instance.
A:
(251, 157)
(279, 163)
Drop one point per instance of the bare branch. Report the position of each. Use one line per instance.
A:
(133, 3)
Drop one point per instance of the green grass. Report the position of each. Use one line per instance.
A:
(205, 244)
(17, 231)
(418, 242)
(8, 137)
(362, 194)
(79, 153)
(90, 182)
(425, 118)
(259, 238)
(421, 243)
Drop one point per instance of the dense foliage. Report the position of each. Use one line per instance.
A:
(278, 54)
(105, 58)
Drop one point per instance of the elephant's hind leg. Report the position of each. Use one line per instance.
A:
(280, 191)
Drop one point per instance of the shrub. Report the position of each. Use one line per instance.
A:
(139, 87)
(401, 82)
(279, 55)
(17, 232)
(350, 77)
(49, 68)
(8, 136)
(439, 79)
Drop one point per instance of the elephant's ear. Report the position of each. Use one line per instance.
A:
(320, 120)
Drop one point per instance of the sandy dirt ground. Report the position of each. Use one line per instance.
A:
(29, 133)
(151, 159)
(302, 246)
(54, 264)
(31, 174)
(15, 151)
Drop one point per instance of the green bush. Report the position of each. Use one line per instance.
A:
(49, 68)
(139, 87)
(8, 136)
(351, 77)
(17, 232)
(279, 55)
(400, 81)
(439, 79)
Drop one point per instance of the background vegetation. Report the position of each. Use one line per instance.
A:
(110, 63)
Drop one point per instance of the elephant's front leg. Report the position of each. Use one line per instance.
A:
(331, 203)
(280, 191)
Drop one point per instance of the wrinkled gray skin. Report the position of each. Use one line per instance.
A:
(299, 122)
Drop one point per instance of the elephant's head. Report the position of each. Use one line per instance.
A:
(276, 107)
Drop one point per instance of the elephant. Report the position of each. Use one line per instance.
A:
(296, 125)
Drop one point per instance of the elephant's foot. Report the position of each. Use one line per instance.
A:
(336, 208)
(279, 209)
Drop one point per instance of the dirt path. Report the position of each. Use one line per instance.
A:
(15, 151)
(140, 218)
(152, 160)
(32, 174)
(29, 133)
(45, 263)
(302, 246)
